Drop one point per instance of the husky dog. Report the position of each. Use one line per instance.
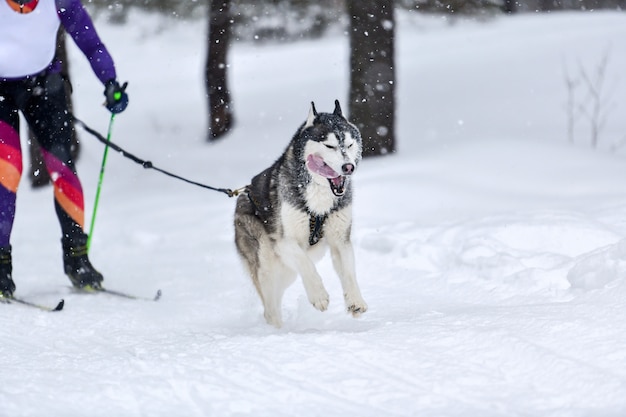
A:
(296, 208)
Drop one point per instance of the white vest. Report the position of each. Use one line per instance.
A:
(27, 41)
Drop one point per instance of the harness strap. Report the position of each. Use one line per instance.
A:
(316, 228)
(255, 204)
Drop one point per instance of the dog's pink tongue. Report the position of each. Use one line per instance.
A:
(316, 164)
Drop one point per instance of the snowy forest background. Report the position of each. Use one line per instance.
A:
(370, 26)
(490, 247)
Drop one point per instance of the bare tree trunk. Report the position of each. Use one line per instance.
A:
(509, 6)
(372, 75)
(39, 176)
(218, 95)
(550, 5)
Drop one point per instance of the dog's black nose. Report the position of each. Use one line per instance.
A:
(347, 169)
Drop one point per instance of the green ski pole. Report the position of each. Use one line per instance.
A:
(104, 160)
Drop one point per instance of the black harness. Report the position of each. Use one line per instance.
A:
(316, 227)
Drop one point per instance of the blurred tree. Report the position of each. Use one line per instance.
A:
(218, 95)
(372, 73)
(39, 176)
(509, 6)
(549, 5)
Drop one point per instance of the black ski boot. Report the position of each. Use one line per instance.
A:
(7, 286)
(77, 266)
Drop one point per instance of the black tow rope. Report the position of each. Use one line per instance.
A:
(150, 165)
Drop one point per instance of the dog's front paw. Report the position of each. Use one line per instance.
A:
(320, 299)
(356, 306)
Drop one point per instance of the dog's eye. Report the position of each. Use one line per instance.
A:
(330, 146)
(350, 145)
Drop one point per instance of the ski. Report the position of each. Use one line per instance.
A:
(12, 300)
(120, 294)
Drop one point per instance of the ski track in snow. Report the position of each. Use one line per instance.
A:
(491, 253)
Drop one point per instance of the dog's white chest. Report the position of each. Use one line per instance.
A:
(295, 223)
(319, 198)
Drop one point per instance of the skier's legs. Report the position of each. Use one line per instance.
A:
(10, 164)
(48, 117)
(10, 174)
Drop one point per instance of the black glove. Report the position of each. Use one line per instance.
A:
(116, 97)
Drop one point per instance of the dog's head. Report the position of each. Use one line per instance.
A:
(332, 148)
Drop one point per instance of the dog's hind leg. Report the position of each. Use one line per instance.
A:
(272, 298)
(273, 279)
(343, 262)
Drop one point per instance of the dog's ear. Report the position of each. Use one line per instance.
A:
(337, 111)
(311, 117)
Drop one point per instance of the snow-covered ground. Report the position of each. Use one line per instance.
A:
(491, 251)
